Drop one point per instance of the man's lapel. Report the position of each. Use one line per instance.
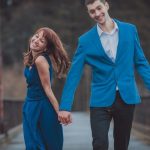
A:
(120, 39)
(98, 44)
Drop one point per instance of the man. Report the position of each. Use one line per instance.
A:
(113, 51)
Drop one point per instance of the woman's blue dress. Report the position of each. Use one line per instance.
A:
(42, 130)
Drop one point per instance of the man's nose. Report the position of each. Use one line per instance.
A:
(97, 13)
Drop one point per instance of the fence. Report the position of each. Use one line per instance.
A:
(13, 115)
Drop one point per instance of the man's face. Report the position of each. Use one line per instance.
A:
(98, 11)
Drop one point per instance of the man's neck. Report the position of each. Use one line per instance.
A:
(108, 26)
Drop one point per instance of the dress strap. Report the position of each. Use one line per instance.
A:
(48, 59)
(50, 64)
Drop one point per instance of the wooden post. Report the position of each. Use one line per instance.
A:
(1, 91)
(1, 97)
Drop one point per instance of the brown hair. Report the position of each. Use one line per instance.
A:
(92, 1)
(55, 50)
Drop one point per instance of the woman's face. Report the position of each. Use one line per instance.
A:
(38, 42)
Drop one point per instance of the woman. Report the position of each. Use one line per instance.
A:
(42, 130)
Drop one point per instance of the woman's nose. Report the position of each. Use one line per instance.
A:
(36, 41)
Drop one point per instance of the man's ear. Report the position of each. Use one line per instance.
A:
(106, 5)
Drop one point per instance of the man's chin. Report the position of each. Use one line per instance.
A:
(100, 22)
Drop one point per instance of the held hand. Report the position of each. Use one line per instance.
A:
(65, 117)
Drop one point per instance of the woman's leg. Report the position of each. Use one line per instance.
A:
(50, 128)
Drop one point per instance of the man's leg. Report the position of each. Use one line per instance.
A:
(123, 117)
(100, 121)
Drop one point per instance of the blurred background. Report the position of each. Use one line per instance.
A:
(19, 19)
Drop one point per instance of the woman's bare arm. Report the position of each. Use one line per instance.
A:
(43, 70)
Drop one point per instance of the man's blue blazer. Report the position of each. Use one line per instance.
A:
(106, 74)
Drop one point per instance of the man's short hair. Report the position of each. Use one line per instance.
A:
(92, 1)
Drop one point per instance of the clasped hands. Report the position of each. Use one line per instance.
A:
(65, 117)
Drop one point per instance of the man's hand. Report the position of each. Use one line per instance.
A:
(65, 117)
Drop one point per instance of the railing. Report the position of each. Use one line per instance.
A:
(13, 115)
(142, 116)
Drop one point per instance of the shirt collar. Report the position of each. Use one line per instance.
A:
(100, 31)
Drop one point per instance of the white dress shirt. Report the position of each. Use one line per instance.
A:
(109, 41)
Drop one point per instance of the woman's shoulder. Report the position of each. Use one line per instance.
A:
(41, 60)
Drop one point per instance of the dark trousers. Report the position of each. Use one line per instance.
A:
(100, 118)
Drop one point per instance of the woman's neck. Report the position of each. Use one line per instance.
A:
(34, 54)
